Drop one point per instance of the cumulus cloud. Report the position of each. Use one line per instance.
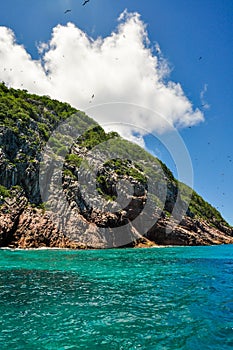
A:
(121, 69)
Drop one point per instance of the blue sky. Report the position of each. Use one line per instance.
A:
(196, 40)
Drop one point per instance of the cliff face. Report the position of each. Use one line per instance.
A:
(108, 193)
(22, 226)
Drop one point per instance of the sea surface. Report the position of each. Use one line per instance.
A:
(154, 299)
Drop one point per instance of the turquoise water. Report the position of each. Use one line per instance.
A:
(166, 298)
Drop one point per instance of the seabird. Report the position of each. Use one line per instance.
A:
(85, 2)
(66, 11)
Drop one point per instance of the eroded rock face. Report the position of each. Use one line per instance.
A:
(19, 164)
(188, 232)
(85, 221)
(22, 226)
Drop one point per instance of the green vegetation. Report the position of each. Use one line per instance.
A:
(34, 117)
(198, 207)
(126, 167)
(103, 193)
(167, 172)
(94, 137)
(68, 173)
(202, 209)
(120, 168)
(74, 160)
(42, 206)
(4, 192)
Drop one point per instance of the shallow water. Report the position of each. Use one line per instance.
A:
(158, 298)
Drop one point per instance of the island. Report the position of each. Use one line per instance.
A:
(109, 192)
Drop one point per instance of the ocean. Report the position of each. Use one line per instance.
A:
(153, 299)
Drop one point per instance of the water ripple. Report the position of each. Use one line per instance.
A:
(173, 298)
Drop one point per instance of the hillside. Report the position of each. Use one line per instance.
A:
(108, 192)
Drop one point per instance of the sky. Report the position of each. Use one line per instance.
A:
(155, 65)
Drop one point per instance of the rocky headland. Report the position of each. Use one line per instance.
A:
(132, 201)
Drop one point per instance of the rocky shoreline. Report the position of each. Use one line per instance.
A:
(22, 226)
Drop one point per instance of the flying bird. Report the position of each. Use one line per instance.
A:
(93, 96)
(66, 11)
(85, 2)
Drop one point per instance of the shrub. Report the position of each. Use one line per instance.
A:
(74, 159)
(4, 192)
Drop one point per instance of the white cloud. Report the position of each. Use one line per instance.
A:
(157, 48)
(204, 104)
(120, 68)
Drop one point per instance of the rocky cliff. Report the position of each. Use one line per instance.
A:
(66, 183)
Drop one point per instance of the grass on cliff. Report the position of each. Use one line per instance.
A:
(197, 207)
(4, 192)
(34, 117)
